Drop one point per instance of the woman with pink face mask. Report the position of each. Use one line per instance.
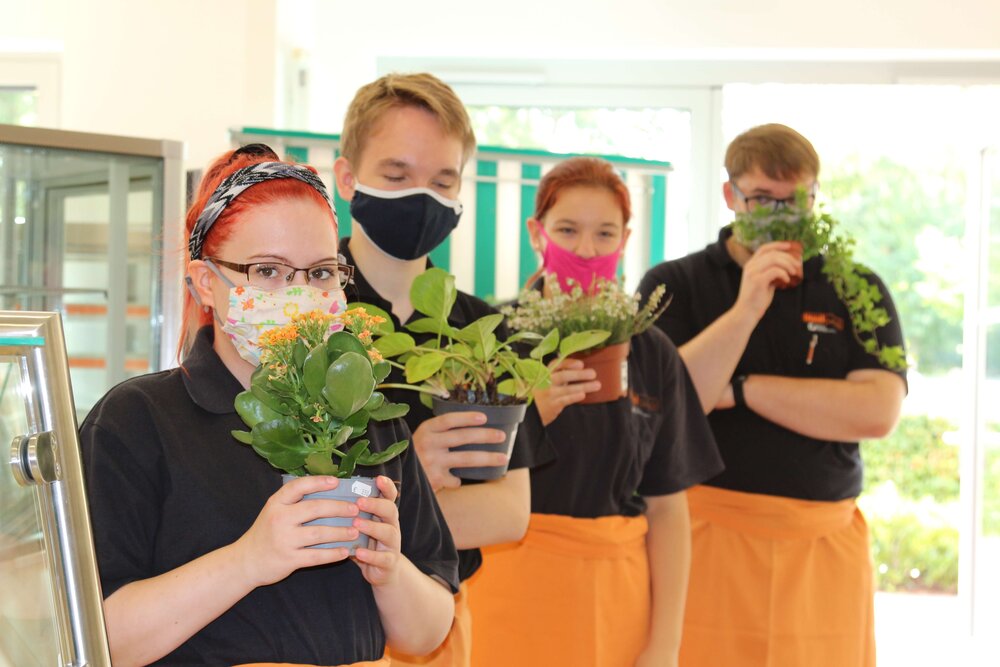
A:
(600, 578)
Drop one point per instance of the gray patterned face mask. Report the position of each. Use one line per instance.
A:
(236, 184)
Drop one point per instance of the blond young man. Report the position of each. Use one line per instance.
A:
(781, 571)
(405, 142)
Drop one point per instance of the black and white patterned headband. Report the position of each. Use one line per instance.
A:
(236, 183)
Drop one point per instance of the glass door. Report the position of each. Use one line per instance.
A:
(50, 609)
(82, 233)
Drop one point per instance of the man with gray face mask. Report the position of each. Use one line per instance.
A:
(781, 570)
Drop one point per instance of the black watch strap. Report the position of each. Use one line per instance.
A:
(738, 398)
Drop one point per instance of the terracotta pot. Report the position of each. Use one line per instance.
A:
(349, 490)
(504, 418)
(795, 251)
(611, 364)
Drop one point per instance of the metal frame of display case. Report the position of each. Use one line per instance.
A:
(48, 458)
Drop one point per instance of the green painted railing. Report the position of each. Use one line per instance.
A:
(490, 253)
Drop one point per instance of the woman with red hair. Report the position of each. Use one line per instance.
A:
(600, 578)
(203, 555)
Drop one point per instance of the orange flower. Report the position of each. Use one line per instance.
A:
(240, 290)
(248, 304)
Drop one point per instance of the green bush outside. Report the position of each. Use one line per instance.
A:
(910, 500)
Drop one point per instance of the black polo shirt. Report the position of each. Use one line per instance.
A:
(529, 447)
(167, 483)
(761, 456)
(652, 442)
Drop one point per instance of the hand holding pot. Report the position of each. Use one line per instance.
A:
(771, 266)
(379, 565)
(435, 437)
(277, 543)
(570, 383)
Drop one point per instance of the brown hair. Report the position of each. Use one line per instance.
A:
(777, 150)
(392, 91)
(581, 172)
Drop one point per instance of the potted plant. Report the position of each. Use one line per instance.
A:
(310, 402)
(471, 369)
(816, 233)
(605, 306)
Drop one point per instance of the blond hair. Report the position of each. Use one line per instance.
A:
(393, 91)
(777, 150)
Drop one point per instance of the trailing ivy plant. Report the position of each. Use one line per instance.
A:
(818, 233)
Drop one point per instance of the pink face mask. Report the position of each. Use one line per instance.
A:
(584, 271)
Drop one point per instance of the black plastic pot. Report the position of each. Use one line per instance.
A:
(349, 489)
(504, 418)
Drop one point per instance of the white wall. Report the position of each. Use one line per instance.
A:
(185, 70)
(348, 39)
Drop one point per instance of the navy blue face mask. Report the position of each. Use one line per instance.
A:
(404, 224)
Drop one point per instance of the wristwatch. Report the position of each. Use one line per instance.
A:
(738, 398)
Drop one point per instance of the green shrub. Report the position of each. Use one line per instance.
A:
(911, 555)
(911, 488)
(916, 458)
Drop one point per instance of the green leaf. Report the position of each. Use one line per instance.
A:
(510, 387)
(548, 345)
(259, 388)
(380, 329)
(340, 342)
(283, 431)
(583, 340)
(524, 335)
(320, 463)
(314, 371)
(381, 371)
(430, 325)
(390, 411)
(395, 344)
(252, 410)
(357, 423)
(389, 453)
(375, 402)
(532, 371)
(299, 352)
(349, 384)
(477, 331)
(350, 460)
(419, 368)
(243, 436)
(433, 293)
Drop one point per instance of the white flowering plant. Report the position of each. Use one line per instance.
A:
(607, 307)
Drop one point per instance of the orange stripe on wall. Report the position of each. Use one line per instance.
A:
(97, 309)
(92, 362)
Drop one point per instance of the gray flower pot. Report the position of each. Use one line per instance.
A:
(504, 418)
(349, 489)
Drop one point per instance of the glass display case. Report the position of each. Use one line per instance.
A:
(83, 233)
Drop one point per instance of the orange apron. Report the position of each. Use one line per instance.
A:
(777, 582)
(456, 650)
(384, 662)
(571, 592)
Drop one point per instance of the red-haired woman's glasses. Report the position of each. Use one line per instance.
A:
(275, 275)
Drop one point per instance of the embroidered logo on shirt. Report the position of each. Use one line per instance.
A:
(823, 322)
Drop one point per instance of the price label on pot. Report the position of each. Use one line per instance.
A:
(361, 489)
(624, 372)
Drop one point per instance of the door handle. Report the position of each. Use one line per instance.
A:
(33, 459)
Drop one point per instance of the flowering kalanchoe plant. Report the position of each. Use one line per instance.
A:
(312, 396)
(471, 364)
(817, 232)
(608, 306)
